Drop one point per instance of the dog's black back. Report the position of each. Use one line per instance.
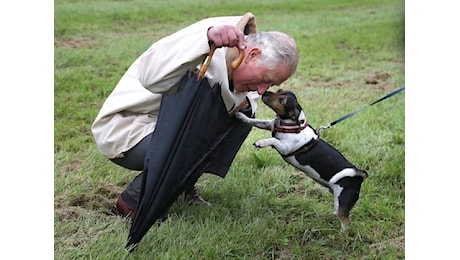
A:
(324, 158)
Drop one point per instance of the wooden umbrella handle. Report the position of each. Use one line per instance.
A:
(248, 19)
(206, 62)
(204, 66)
(236, 62)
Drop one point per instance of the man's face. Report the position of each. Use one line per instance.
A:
(253, 77)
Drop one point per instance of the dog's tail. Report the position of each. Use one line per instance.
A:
(362, 173)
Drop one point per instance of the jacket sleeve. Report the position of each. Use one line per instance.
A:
(167, 60)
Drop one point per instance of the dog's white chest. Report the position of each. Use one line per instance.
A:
(292, 142)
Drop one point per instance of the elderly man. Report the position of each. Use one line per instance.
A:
(128, 117)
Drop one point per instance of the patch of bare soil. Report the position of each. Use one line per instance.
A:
(330, 84)
(101, 200)
(377, 78)
(380, 79)
(74, 43)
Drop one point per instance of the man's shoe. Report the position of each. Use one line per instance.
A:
(123, 209)
(192, 197)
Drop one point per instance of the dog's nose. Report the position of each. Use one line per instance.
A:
(267, 93)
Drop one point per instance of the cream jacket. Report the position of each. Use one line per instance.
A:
(130, 111)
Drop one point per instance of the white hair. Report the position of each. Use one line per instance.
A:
(277, 47)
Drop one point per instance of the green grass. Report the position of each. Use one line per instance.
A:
(264, 208)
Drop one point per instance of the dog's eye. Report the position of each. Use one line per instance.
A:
(282, 101)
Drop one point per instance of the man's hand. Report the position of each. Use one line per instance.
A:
(226, 36)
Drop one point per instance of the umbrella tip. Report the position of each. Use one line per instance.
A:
(130, 247)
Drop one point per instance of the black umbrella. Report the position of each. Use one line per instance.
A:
(194, 134)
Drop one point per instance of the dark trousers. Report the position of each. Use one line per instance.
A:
(218, 163)
(134, 160)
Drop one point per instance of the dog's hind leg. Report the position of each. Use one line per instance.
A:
(346, 199)
(339, 212)
(343, 215)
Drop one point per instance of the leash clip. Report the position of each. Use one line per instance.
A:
(321, 128)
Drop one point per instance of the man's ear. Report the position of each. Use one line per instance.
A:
(253, 54)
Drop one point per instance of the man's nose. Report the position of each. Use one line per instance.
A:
(262, 88)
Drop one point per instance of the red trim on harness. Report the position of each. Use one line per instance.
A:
(292, 124)
(284, 127)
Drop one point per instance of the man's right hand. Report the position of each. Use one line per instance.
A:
(226, 36)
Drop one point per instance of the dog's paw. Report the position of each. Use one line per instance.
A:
(241, 116)
(261, 143)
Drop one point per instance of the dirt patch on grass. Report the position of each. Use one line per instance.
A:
(380, 79)
(330, 84)
(101, 200)
(84, 42)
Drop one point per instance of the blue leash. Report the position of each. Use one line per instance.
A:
(359, 110)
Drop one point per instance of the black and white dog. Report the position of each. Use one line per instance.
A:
(299, 145)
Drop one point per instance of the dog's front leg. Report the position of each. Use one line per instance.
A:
(262, 124)
(283, 148)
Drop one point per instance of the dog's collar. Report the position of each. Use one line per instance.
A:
(288, 127)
